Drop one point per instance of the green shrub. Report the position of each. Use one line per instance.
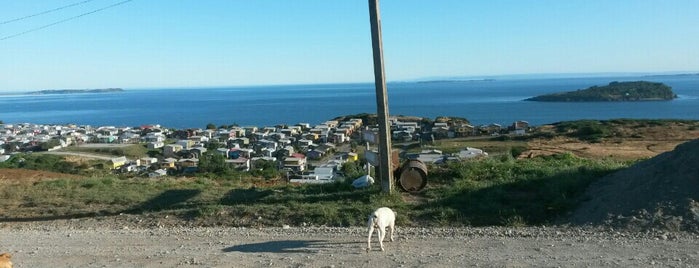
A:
(516, 151)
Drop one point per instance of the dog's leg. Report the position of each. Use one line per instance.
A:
(371, 232)
(382, 234)
(392, 225)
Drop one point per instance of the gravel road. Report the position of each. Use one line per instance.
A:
(104, 243)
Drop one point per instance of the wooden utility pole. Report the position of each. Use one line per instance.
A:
(385, 165)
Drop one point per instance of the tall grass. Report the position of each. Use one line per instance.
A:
(130, 151)
(505, 191)
(491, 191)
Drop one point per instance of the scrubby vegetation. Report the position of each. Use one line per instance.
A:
(49, 162)
(596, 130)
(498, 190)
(132, 151)
(508, 192)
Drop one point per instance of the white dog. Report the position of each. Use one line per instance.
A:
(380, 219)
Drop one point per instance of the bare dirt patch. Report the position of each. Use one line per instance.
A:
(622, 150)
(626, 142)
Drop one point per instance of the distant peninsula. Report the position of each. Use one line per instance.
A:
(74, 91)
(615, 91)
(456, 80)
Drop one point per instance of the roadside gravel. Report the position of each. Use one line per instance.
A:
(116, 242)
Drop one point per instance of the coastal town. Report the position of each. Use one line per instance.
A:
(304, 152)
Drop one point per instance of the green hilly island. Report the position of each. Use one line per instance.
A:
(615, 91)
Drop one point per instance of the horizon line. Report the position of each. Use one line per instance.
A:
(522, 76)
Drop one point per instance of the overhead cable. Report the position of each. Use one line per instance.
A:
(63, 20)
(45, 12)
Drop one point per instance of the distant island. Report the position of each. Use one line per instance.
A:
(456, 80)
(615, 91)
(73, 91)
(673, 75)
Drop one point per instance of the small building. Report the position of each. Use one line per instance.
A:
(197, 152)
(186, 144)
(171, 150)
(440, 130)
(351, 156)
(310, 136)
(155, 145)
(324, 173)
(471, 153)
(240, 163)
(129, 167)
(233, 154)
(339, 138)
(519, 128)
(249, 130)
(520, 124)
(295, 163)
(427, 156)
(464, 130)
(105, 138)
(117, 162)
(246, 152)
(188, 162)
(147, 161)
(315, 154)
(154, 137)
(491, 129)
(157, 173)
(243, 141)
(168, 163)
(402, 136)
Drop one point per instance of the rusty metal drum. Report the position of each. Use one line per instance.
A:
(413, 175)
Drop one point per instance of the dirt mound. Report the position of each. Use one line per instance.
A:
(661, 192)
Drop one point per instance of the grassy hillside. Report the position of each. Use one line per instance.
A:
(130, 150)
(488, 191)
(561, 160)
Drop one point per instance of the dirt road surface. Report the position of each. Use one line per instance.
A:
(95, 243)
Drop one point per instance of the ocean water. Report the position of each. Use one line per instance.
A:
(479, 101)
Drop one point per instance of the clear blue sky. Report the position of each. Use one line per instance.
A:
(187, 43)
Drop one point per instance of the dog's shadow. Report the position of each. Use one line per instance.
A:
(284, 246)
(287, 246)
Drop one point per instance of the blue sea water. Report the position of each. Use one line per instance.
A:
(480, 101)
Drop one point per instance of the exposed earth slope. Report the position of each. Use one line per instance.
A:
(661, 192)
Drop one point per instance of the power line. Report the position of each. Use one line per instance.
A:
(45, 12)
(63, 20)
